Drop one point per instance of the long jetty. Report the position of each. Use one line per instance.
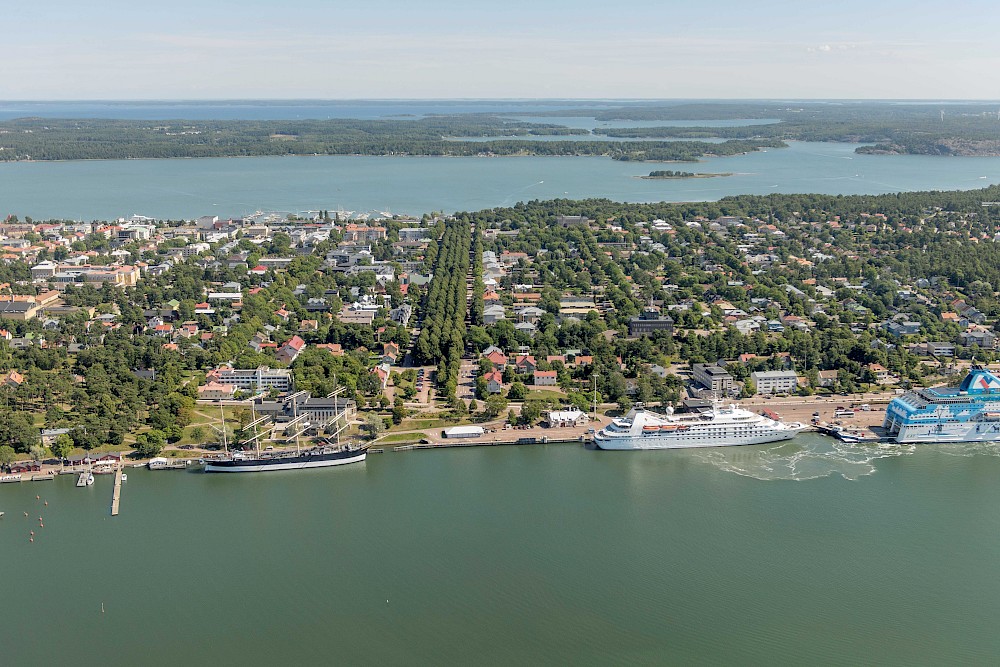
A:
(116, 497)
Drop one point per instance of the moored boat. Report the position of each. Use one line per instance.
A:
(318, 457)
(713, 427)
(969, 412)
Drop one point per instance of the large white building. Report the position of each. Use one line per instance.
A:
(258, 378)
(775, 382)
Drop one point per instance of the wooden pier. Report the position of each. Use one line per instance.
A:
(116, 497)
(82, 479)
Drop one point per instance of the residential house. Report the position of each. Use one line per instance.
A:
(216, 391)
(981, 337)
(545, 378)
(827, 378)
(498, 359)
(525, 363)
(494, 382)
(290, 350)
(881, 373)
(11, 379)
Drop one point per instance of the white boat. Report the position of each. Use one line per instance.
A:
(713, 427)
(90, 479)
(124, 477)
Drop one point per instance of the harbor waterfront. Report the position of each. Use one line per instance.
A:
(535, 554)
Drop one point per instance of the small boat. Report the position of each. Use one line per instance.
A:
(1, 514)
(124, 477)
(90, 479)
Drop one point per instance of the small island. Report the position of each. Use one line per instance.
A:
(667, 174)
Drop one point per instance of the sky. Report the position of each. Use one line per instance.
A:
(434, 49)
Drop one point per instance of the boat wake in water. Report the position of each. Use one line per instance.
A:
(968, 449)
(800, 461)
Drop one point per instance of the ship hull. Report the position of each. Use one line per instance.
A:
(287, 462)
(954, 432)
(682, 442)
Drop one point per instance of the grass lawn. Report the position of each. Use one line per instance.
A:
(545, 395)
(400, 438)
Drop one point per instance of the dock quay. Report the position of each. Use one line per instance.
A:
(545, 440)
(116, 497)
(43, 477)
(9, 478)
(82, 479)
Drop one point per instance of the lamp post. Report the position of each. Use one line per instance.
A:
(595, 396)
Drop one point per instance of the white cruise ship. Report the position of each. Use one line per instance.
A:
(715, 427)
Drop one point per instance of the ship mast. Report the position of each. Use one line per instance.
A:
(336, 413)
(222, 416)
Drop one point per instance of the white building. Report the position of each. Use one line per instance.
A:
(774, 382)
(261, 377)
(463, 432)
(564, 418)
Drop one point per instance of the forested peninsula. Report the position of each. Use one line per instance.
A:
(96, 139)
(892, 128)
(885, 128)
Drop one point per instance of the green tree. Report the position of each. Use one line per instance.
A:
(375, 424)
(7, 455)
(62, 446)
(749, 389)
(150, 444)
(530, 412)
(494, 406)
(517, 392)
(398, 413)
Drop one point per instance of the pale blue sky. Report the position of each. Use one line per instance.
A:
(217, 49)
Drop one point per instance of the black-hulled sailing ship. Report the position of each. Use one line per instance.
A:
(328, 453)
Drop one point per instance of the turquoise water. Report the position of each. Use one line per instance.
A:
(415, 185)
(530, 555)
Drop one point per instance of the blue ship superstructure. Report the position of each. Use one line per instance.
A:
(969, 412)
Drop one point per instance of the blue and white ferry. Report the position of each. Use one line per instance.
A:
(969, 412)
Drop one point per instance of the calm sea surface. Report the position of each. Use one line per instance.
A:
(792, 554)
(234, 186)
